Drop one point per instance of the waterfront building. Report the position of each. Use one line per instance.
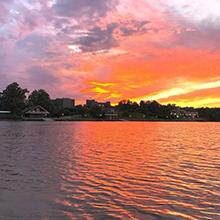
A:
(183, 114)
(64, 103)
(92, 103)
(36, 112)
(111, 114)
(5, 114)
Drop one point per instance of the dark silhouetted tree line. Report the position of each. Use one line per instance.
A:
(16, 99)
(13, 98)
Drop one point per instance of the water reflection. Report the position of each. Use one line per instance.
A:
(109, 170)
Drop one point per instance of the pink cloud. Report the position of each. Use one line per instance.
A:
(142, 47)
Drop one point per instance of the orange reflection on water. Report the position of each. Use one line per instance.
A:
(137, 170)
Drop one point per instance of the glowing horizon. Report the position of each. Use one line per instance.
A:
(114, 50)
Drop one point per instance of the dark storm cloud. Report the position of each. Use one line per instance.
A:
(79, 8)
(134, 27)
(106, 38)
(98, 39)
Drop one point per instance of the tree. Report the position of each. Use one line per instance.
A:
(211, 114)
(127, 106)
(1, 101)
(144, 108)
(81, 110)
(13, 98)
(40, 97)
(96, 112)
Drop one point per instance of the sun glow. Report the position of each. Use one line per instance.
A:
(209, 102)
(184, 88)
(104, 84)
(158, 50)
(100, 90)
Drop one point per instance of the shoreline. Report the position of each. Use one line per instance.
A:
(135, 120)
(104, 120)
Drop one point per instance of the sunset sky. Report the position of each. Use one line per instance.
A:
(165, 50)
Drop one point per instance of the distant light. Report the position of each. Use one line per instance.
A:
(50, 3)
(14, 12)
(74, 48)
(205, 9)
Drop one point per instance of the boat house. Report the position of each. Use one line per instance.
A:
(5, 114)
(36, 112)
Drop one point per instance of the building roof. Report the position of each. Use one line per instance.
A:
(36, 110)
(5, 112)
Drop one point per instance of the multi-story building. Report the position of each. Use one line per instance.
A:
(64, 103)
(182, 114)
(92, 103)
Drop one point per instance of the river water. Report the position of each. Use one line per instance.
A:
(109, 170)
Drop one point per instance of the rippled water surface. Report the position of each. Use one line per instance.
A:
(109, 170)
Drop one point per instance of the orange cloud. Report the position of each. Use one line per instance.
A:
(120, 49)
